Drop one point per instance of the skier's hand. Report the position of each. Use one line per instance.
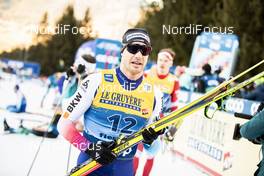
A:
(70, 72)
(101, 152)
(150, 135)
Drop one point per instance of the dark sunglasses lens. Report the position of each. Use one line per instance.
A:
(133, 49)
(146, 51)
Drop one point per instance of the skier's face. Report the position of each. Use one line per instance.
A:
(134, 59)
(163, 64)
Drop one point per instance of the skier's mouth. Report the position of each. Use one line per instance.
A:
(136, 63)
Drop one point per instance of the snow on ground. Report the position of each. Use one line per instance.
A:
(18, 150)
(17, 153)
(33, 89)
(170, 165)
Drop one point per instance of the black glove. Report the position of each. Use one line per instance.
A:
(150, 135)
(171, 133)
(101, 152)
(256, 141)
(70, 73)
(80, 69)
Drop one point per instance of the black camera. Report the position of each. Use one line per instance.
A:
(237, 135)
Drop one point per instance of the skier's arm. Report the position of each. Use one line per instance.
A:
(75, 107)
(174, 96)
(154, 146)
(69, 87)
(254, 128)
(19, 100)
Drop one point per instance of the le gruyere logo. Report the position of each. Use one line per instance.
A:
(122, 100)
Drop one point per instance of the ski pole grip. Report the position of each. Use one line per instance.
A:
(236, 134)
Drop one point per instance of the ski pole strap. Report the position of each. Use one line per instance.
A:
(218, 103)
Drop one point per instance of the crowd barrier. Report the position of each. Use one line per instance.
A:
(209, 143)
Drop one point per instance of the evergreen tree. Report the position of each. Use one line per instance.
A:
(42, 34)
(56, 52)
(246, 18)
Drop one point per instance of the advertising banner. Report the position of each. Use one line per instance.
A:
(219, 50)
(107, 53)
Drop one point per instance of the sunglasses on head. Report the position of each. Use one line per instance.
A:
(134, 48)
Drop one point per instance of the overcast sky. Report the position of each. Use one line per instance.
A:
(110, 18)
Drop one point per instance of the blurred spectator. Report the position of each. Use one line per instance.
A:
(256, 94)
(185, 78)
(52, 83)
(169, 85)
(9, 69)
(217, 74)
(207, 81)
(164, 80)
(21, 102)
(20, 130)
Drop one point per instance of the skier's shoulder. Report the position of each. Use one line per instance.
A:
(157, 92)
(94, 77)
(172, 77)
(91, 82)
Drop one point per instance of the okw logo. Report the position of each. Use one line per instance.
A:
(74, 102)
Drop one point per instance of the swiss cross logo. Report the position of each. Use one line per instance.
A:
(145, 111)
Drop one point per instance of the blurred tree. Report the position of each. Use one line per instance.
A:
(246, 18)
(42, 34)
(86, 23)
(56, 52)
